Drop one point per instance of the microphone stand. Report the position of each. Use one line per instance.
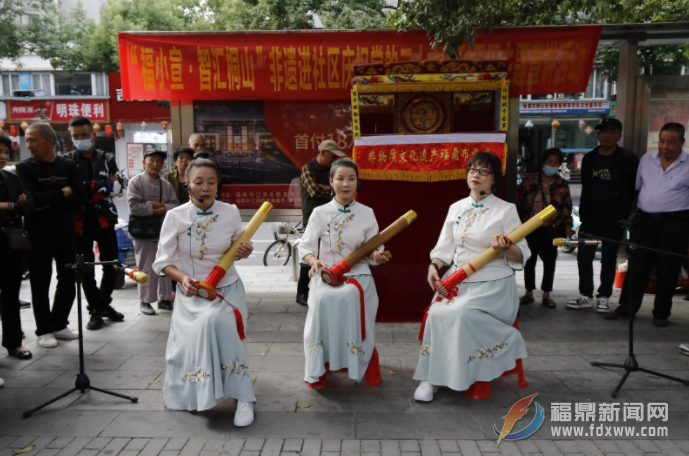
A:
(82, 382)
(631, 364)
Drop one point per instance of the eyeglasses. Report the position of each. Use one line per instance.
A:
(481, 171)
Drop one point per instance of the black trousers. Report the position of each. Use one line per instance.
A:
(47, 246)
(666, 233)
(107, 246)
(586, 255)
(541, 244)
(10, 283)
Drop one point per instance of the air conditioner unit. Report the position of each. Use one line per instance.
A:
(29, 93)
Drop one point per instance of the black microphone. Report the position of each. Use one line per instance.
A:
(200, 200)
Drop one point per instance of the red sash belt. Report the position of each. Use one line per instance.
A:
(361, 299)
(237, 317)
(453, 292)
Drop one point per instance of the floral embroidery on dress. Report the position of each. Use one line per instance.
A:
(202, 230)
(195, 377)
(355, 349)
(315, 347)
(338, 229)
(463, 225)
(426, 350)
(236, 368)
(483, 353)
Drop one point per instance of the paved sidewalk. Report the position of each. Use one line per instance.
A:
(350, 418)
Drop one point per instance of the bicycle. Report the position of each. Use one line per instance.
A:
(279, 252)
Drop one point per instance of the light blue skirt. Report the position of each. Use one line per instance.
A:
(332, 333)
(205, 358)
(471, 337)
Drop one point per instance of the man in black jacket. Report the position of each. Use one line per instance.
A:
(55, 186)
(95, 222)
(608, 177)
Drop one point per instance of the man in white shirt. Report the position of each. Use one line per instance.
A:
(662, 223)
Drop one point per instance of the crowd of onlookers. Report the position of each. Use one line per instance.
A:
(55, 207)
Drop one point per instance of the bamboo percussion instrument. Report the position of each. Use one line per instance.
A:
(333, 276)
(519, 233)
(134, 274)
(207, 287)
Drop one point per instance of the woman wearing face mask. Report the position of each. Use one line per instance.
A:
(469, 337)
(206, 359)
(535, 193)
(335, 327)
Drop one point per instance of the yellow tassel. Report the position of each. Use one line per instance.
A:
(412, 176)
(430, 87)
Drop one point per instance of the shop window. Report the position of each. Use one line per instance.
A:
(41, 81)
(75, 84)
(10, 83)
(100, 82)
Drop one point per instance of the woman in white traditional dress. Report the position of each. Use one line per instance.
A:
(334, 328)
(205, 358)
(470, 338)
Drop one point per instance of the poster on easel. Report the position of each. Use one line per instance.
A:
(135, 159)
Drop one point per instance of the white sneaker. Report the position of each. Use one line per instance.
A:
(66, 334)
(602, 305)
(47, 341)
(244, 415)
(424, 392)
(2, 383)
(580, 302)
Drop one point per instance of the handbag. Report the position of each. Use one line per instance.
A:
(17, 239)
(146, 226)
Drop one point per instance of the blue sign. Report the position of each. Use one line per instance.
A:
(24, 81)
(565, 111)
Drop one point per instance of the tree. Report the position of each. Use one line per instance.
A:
(28, 27)
(452, 23)
(97, 46)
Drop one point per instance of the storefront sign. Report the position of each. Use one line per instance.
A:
(24, 81)
(58, 110)
(320, 64)
(565, 107)
(135, 159)
(423, 158)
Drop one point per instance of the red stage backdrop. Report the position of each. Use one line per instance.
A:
(320, 64)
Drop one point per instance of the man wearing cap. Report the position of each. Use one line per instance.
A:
(149, 194)
(315, 191)
(662, 223)
(608, 178)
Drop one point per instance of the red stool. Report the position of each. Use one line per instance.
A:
(372, 373)
(481, 390)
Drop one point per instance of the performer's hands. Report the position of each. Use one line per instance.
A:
(188, 286)
(499, 243)
(380, 257)
(245, 249)
(316, 265)
(432, 277)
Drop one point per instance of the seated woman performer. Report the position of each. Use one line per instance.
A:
(470, 337)
(333, 331)
(206, 359)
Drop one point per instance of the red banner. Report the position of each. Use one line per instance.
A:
(58, 110)
(423, 158)
(319, 64)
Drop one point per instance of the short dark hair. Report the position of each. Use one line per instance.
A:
(204, 163)
(183, 150)
(78, 121)
(676, 127)
(553, 151)
(6, 141)
(344, 163)
(488, 160)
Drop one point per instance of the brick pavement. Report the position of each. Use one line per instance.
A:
(346, 418)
